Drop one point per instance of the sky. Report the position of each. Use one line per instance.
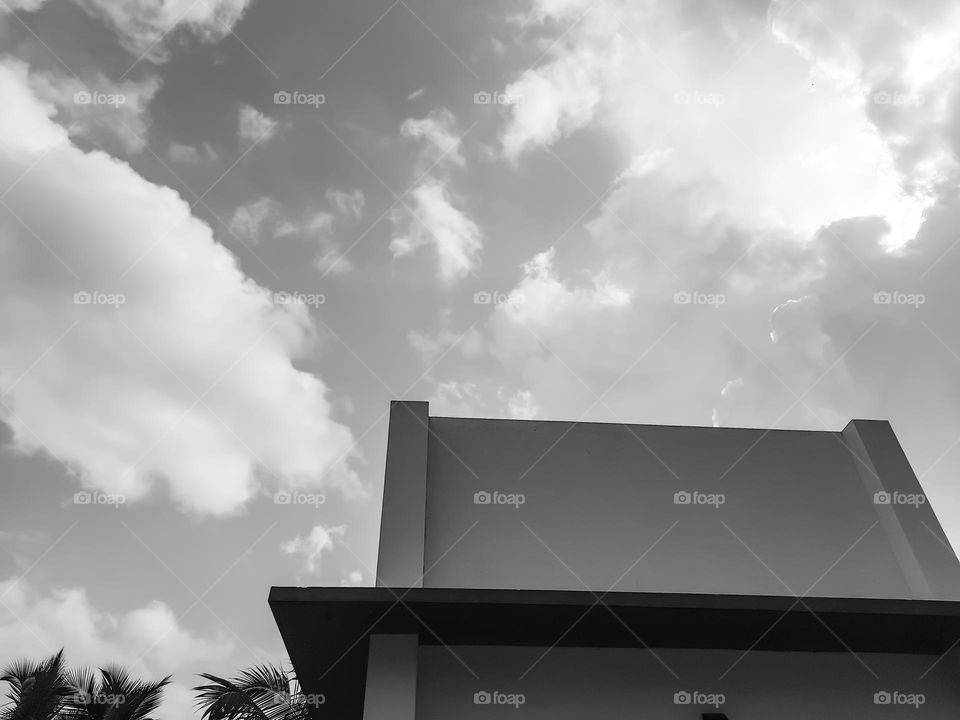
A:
(232, 231)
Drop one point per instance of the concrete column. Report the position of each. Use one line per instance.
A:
(926, 559)
(402, 520)
(391, 692)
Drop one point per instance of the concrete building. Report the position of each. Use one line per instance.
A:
(587, 570)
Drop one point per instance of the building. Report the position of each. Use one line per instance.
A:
(579, 570)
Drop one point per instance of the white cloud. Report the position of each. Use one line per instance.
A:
(148, 640)
(311, 547)
(434, 221)
(257, 218)
(253, 127)
(99, 109)
(458, 399)
(20, 5)
(441, 143)
(143, 25)
(264, 219)
(192, 154)
(113, 390)
(347, 203)
(353, 579)
(520, 405)
(770, 140)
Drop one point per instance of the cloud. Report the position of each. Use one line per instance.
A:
(144, 26)
(259, 218)
(311, 547)
(20, 5)
(192, 154)
(253, 127)
(459, 399)
(520, 405)
(756, 140)
(170, 365)
(347, 203)
(353, 579)
(148, 640)
(99, 109)
(264, 219)
(440, 143)
(434, 221)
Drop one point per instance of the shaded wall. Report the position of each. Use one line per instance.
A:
(593, 505)
(625, 684)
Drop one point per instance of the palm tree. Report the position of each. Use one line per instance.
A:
(114, 695)
(262, 692)
(37, 691)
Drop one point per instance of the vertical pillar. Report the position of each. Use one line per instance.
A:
(391, 692)
(402, 521)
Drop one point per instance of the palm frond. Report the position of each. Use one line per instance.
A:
(262, 692)
(37, 691)
(222, 699)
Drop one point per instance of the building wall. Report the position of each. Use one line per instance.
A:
(625, 684)
(598, 511)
